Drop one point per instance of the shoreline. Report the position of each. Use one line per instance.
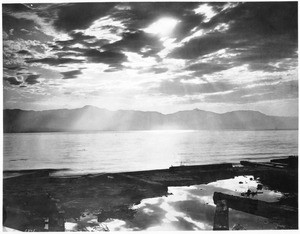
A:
(157, 130)
(36, 195)
(75, 173)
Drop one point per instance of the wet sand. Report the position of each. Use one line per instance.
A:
(178, 198)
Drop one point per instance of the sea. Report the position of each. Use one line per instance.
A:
(121, 151)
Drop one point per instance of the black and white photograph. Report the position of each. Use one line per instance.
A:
(149, 116)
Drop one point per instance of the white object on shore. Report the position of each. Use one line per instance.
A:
(7, 229)
(70, 227)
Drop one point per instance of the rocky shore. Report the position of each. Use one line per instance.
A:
(35, 200)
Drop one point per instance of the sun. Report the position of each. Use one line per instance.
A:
(162, 27)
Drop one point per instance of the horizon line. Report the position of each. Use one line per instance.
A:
(195, 109)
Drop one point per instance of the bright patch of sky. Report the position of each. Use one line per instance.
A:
(207, 11)
(102, 29)
(163, 27)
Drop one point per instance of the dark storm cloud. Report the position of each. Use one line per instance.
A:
(65, 54)
(54, 47)
(80, 15)
(12, 80)
(134, 15)
(176, 87)
(67, 46)
(262, 19)
(268, 50)
(67, 49)
(112, 58)
(15, 8)
(13, 67)
(197, 47)
(135, 41)
(54, 61)
(71, 74)
(141, 15)
(23, 28)
(264, 32)
(24, 73)
(261, 32)
(32, 79)
(24, 52)
(108, 57)
(76, 38)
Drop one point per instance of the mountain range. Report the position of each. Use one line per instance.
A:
(90, 118)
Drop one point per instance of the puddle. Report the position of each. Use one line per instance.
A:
(192, 207)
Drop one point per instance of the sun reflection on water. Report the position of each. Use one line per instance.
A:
(192, 207)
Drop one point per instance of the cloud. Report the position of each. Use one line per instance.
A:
(158, 70)
(217, 52)
(13, 67)
(32, 79)
(261, 19)
(12, 80)
(269, 50)
(201, 46)
(16, 52)
(71, 74)
(207, 68)
(108, 57)
(11, 32)
(80, 15)
(281, 90)
(141, 15)
(24, 52)
(258, 32)
(5, 35)
(112, 70)
(54, 61)
(178, 88)
(266, 67)
(155, 70)
(78, 37)
(66, 54)
(113, 57)
(25, 30)
(27, 24)
(15, 7)
(135, 41)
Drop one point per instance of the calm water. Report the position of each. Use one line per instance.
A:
(189, 208)
(142, 150)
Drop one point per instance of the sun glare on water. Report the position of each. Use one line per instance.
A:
(162, 27)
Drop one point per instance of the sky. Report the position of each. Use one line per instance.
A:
(152, 56)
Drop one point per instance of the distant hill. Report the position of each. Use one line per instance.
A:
(90, 118)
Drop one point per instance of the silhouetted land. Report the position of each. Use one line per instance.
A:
(90, 118)
(31, 196)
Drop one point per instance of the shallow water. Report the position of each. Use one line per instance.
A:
(93, 152)
(193, 208)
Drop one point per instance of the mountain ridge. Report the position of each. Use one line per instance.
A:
(90, 118)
